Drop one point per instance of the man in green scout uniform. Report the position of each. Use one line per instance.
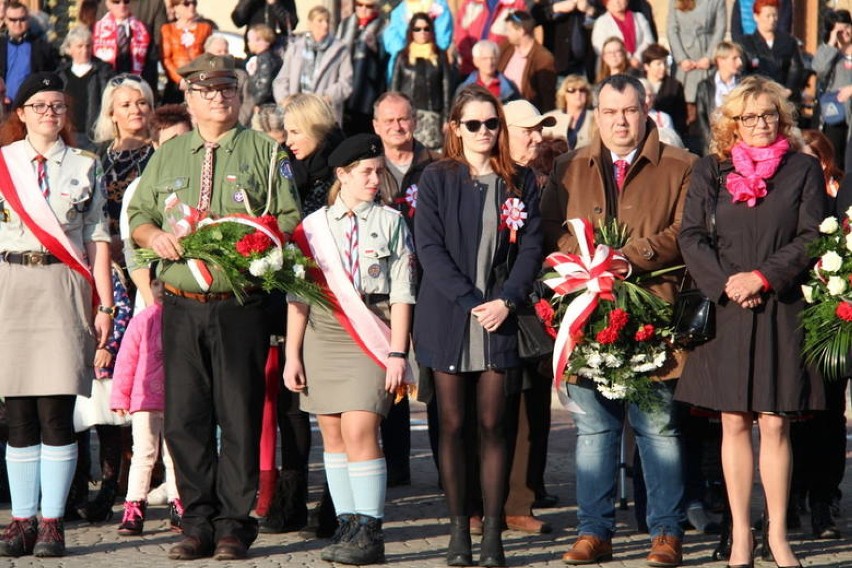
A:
(214, 348)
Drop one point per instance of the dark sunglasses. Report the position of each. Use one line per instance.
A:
(189, 3)
(422, 29)
(122, 77)
(17, 20)
(473, 126)
(573, 90)
(363, 5)
(120, 1)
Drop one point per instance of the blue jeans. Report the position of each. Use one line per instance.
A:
(597, 455)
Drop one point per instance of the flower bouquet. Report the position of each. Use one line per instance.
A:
(247, 252)
(827, 320)
(608, 328)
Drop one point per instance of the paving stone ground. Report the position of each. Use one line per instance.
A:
(416, 526)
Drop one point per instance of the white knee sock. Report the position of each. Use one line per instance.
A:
(337, 474)
(57, 472)
(22, 465)
(369, 484)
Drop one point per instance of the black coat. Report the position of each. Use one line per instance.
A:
(280, 16)
(754, 362)
(671, 100)
(782, 62)
(96, 82)
(429, 86)
(447, 229)
(705, 103)
(368, 62)
(259, 85)
(565, 36)
(43, 57)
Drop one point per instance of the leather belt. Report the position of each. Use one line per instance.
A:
(198, 297)
(373, 299)
(32, 258)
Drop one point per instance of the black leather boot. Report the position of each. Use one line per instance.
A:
(491, 552)
(366, 546)
(99, 509)
(288, 510)
(347, 527)
(458, 552)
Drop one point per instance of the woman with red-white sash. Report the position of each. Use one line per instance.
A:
(348, 362)
(54, 266)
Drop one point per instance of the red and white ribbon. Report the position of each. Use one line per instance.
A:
(512, 216)
(411, 198)
(591, 271)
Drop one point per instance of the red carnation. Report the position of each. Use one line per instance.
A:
(645, 333)
(844, 311)
(618, 319)
(252, 243)
(545, 313)
(606, 335)
(271, 223)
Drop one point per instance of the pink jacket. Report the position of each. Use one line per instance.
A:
(139, 378)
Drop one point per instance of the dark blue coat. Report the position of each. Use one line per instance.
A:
(447, 229)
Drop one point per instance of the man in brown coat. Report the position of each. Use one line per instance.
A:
(527, 63)
(627, 174)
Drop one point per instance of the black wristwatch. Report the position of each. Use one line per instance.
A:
(510, 305)
(108, 310)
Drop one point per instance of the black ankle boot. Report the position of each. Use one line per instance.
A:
(99, 509)
(366, 545)
(491, 552)
(458, 552)
(347, 527)
(288, 510)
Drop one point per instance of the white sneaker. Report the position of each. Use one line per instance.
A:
(158, 496)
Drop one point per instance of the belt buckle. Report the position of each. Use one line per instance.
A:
(34, 258)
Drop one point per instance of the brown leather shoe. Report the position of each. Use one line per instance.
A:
(588, 549)
(528, 524)
(189, 548)
(665, 551)
(230, 548)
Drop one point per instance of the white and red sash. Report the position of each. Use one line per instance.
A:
(19, 187)
(313, 236)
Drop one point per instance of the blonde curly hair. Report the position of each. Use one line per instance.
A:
(723, 121)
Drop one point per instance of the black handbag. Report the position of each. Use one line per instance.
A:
(533, 340)
(694, 314)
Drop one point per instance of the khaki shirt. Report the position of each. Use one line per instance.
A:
(250, 171)
(385, 249)
(77, 197)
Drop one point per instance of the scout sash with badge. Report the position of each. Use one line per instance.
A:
(20, 188)
(313, 236)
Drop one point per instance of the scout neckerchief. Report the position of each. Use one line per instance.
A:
(313, 236)
(20, 188)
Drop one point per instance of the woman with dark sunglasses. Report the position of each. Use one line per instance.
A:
(183, 40)
(478, 240)
(422, 71)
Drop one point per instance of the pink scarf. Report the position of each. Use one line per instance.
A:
(753, 166)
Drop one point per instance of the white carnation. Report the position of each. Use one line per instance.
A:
(612, 361)
(849, 242)
(258, 267)
(594, 360)
(831, 261)
(829, 226)
(275, 259)
(849, 212)
(836, 285)
(613, 392)
(299, 271)
(808, 293)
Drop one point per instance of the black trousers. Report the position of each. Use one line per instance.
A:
(214, 357)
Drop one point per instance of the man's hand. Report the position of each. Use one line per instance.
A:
(166, 246)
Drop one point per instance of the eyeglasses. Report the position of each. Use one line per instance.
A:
(41, 108)
(422, 29)
(119, 79)
(750, 120)
(363, 5)
(210, 94)
(120, 1)
(473, 126)
(188, 3)
(572, 90)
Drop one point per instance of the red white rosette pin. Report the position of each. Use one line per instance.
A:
(512, 216)
(410, 199)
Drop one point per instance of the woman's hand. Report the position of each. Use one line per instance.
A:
(687, 64)
(166, 246)
(294, 375)
(743, 286)
(751, 302)
(103, 328)
(395, 373)
(103, 358)
(844, 94)
(491, 315)
(703, 63)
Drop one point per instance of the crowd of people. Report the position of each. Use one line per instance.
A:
(427, 157)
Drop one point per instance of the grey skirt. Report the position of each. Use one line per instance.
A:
(340, 376)
(47, 345)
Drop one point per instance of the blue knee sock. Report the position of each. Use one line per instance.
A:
(369, 483)
(57, 472)
(22, 465)
(337, 474)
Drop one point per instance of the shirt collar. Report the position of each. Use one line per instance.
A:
(54, 154)
(628, 158)
(339, 210)
(228, 141)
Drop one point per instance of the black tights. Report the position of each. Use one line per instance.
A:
(295, 428)
(40, 419)
(453, 392)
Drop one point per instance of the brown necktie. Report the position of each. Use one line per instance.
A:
(207, 176)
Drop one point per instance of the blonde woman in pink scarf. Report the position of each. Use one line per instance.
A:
(768, 200)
